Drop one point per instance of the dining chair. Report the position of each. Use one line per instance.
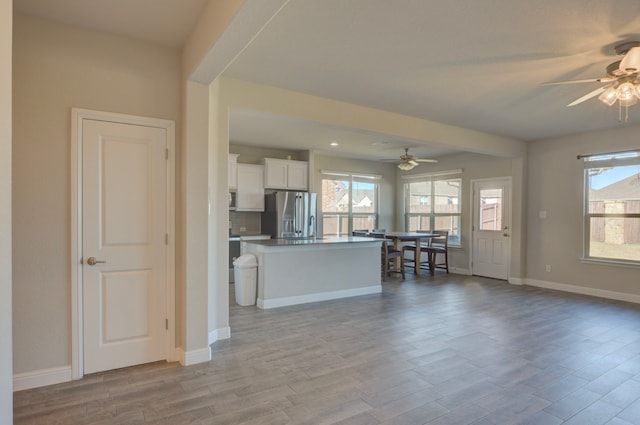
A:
(411, 260)
(363, 232)
(388, 257)
(439, 245)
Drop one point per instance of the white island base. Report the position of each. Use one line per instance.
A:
(303, 271)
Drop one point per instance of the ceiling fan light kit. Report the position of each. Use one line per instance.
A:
(622, 82)
(409, 162)
(406, 166)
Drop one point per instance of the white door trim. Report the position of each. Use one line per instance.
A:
(77, 117)
(474, 183)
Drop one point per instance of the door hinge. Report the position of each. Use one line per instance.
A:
(166, 153)
(166, 324)
(166, 239)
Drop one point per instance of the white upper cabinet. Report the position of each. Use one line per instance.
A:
(233, 171)
(250, 191)
(286, 174)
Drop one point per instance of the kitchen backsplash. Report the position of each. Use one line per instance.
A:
(244, 223)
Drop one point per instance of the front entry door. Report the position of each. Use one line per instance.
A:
(124, 252)
(491, 228)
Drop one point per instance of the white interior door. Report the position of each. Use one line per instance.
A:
(124, 228)
(491, 229)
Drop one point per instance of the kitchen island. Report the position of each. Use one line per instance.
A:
(298, 271)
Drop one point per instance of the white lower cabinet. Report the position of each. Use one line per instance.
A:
(250, 191)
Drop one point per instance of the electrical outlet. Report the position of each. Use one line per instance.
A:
(547, 267)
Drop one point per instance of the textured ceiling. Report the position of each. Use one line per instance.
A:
(473, 64)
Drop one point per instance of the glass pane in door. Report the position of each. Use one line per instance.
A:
(490, 209)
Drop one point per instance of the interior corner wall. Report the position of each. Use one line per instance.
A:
(555, 185)
(55, 68)
(6, 375)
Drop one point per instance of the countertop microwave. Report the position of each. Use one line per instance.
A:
(232, 199)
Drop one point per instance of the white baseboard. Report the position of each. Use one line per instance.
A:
(458, 270)
(516, 281)
(602, 293)
(218, 334)
(41, 378)
(188, 358)
(322, 296)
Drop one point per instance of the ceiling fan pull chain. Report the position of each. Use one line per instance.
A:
(619, 111)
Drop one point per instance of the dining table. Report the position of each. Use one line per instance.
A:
(399, 238)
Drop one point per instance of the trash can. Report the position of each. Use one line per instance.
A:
(245, 270)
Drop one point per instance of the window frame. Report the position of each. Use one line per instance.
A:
(599, 161)
(455, 240)
(350, 214)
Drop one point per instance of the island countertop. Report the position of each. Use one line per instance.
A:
(327, 240)
(297, 271)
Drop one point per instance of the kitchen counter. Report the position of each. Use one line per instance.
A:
(248, 237)
(315, 241)
(297, 271)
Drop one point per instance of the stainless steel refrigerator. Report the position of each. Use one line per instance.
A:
(289, 215)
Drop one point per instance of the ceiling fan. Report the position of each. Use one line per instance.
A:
(622, 82)
(408, 162)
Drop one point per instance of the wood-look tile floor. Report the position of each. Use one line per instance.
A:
(435, 350)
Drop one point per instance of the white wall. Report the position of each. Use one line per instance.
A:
(195, 207)
(55, 68)
(6, 377)
(255, 154)
(555, 185)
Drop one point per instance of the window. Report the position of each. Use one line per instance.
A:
(432, 202)
(349, 202)
(612, 207)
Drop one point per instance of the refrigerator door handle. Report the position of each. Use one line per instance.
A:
(298, 215)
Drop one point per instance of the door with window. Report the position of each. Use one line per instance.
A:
(491, 229)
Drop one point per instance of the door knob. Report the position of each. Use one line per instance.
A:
(92, 261)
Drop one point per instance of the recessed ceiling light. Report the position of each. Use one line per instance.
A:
(334, 144)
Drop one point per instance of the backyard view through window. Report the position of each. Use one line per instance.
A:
(349, 202)
(612, 207)
(433, 203)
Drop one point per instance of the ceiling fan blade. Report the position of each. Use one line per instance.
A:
(590, 80)
(630, 63)
(589, 95)
(426, 160)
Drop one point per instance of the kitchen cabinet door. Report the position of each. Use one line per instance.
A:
(250, 191)
(275, 173)
(297, 175)
(286, 174)
(232, 177)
